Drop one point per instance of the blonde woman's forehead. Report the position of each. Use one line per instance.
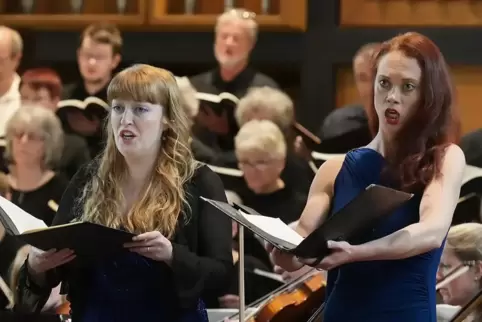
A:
(132, 103)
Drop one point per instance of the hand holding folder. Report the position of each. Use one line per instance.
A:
(84, 238)
(359, 214)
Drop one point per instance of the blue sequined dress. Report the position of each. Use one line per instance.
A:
(129, 288)
(380, 291)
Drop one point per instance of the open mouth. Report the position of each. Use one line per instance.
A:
(127, 135)
(392, 116)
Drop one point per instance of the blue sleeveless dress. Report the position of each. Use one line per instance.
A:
(379, 291)
(128, 288)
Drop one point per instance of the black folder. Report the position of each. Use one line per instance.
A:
(84, 238)
(361, 213)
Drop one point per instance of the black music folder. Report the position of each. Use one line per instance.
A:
(84, 238)
(219, 103)
(90, 106)
(359, 214)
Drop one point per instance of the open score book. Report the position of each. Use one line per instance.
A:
(358, 215)
(84, 238)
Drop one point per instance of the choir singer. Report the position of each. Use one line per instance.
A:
(146, 182)
(389, 273)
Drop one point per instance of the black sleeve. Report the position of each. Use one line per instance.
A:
(209, 270)
(30, 296)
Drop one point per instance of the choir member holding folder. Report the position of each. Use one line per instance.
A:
(389, 273)
(146, 183)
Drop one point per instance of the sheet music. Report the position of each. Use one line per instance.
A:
(275, 227)
(21, 219)
(470, 173)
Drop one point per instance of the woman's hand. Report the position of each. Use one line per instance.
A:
(39, 262)
(284, 260)
(152, 245)
(341, 253)
(229, 301)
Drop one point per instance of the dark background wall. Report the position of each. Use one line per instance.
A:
(314, 66)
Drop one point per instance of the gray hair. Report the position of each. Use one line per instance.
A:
(37, 119)
(240, 15)
(260, 136)
(190, 103)
(265, 98)
(17, 42)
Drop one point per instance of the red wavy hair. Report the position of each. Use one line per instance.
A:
(415, 158)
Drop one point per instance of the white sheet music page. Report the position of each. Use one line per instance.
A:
(275, 227)
(21, 219)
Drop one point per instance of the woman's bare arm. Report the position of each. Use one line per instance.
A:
(436, 211)
(319, 197)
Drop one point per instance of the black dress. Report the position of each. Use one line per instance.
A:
(131, 287)
(42, 202)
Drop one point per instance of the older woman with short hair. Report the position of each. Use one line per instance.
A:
(266, 103)
(261, 152)
(34, 142)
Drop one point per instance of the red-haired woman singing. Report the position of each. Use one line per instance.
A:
(389, 274)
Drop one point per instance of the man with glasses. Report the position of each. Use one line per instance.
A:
(98, 56)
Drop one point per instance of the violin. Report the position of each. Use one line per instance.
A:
(297, 302)
(294, 301)
(63, 309)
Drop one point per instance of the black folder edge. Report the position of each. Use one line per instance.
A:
(317, 237)
(26, 236)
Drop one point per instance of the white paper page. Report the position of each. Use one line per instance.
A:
(21, 219)
(470, 173)
(275, 227)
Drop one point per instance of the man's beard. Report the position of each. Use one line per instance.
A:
(229, 62)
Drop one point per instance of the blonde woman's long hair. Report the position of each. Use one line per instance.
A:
(164, 198)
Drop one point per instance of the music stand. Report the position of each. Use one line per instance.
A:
(241, 287)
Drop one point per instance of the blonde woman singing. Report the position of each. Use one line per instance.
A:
(146, 182)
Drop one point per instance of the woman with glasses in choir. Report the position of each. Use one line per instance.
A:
(34, 148)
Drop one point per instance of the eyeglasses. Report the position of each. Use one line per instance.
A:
(445, 269)
(260, 165)
(30, 136)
